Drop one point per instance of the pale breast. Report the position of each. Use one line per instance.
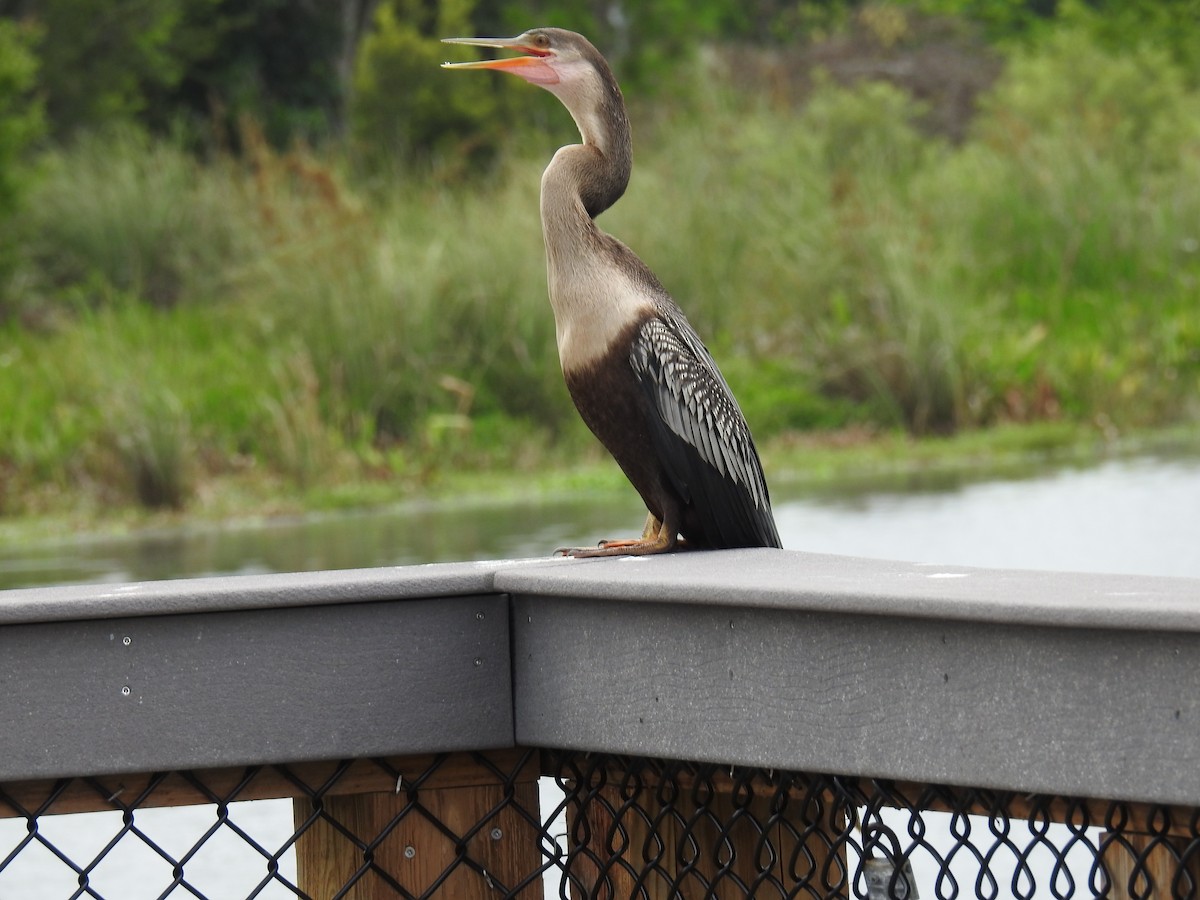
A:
(597, 289)
(591, 313)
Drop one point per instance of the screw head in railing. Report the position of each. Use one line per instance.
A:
(125, 692)
(478, 661)
(479, 616)
(497, 834)
(127, 640)
(410, 852)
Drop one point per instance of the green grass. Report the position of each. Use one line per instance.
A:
(275, 333)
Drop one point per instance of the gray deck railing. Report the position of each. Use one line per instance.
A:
(1006, 682)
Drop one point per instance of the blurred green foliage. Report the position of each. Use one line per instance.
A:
(100, 61)
(404, 105)
(324, 295)
(276, 62)
(308, 70)
(121, 214)
(21, 119)
(21, 125)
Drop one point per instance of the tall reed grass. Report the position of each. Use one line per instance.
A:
(119, 213)
(280, 312)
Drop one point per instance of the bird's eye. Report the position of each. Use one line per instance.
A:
(542, 41)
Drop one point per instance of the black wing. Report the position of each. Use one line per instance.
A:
(701, 434)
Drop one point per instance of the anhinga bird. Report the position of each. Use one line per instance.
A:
(639, 374)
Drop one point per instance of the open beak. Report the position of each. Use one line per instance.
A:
(534, 66)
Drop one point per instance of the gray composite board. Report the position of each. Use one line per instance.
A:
(819, 582)
(247, 686)
(867, 668)
(238, 592)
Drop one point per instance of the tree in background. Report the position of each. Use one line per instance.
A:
(277, 62)
(21, 124)
(405, 106)
(100, 59)
(20, 111)
(368, 68)
(1173, 25)
(199, 63)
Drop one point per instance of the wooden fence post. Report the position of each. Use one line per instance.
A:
(420, 850)
(1159, 855)
(627, 845)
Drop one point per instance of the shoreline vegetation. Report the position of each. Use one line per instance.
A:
(218, 334)
(842, 462)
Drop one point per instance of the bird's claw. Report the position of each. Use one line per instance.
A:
(572, 552)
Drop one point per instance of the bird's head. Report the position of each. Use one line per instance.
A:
(561, 61)
(549, 56)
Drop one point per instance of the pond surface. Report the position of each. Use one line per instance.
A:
(1139, 516)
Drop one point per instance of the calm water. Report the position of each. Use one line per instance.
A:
(1134, 516)
(1138, 516)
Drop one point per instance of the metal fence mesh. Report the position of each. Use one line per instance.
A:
(532, 823)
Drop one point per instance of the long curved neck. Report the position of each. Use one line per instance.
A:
(596, 172)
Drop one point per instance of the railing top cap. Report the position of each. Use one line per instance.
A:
(238, 592)
(827, 583)
(770, 579)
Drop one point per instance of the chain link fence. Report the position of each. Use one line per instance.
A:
(529, 823)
